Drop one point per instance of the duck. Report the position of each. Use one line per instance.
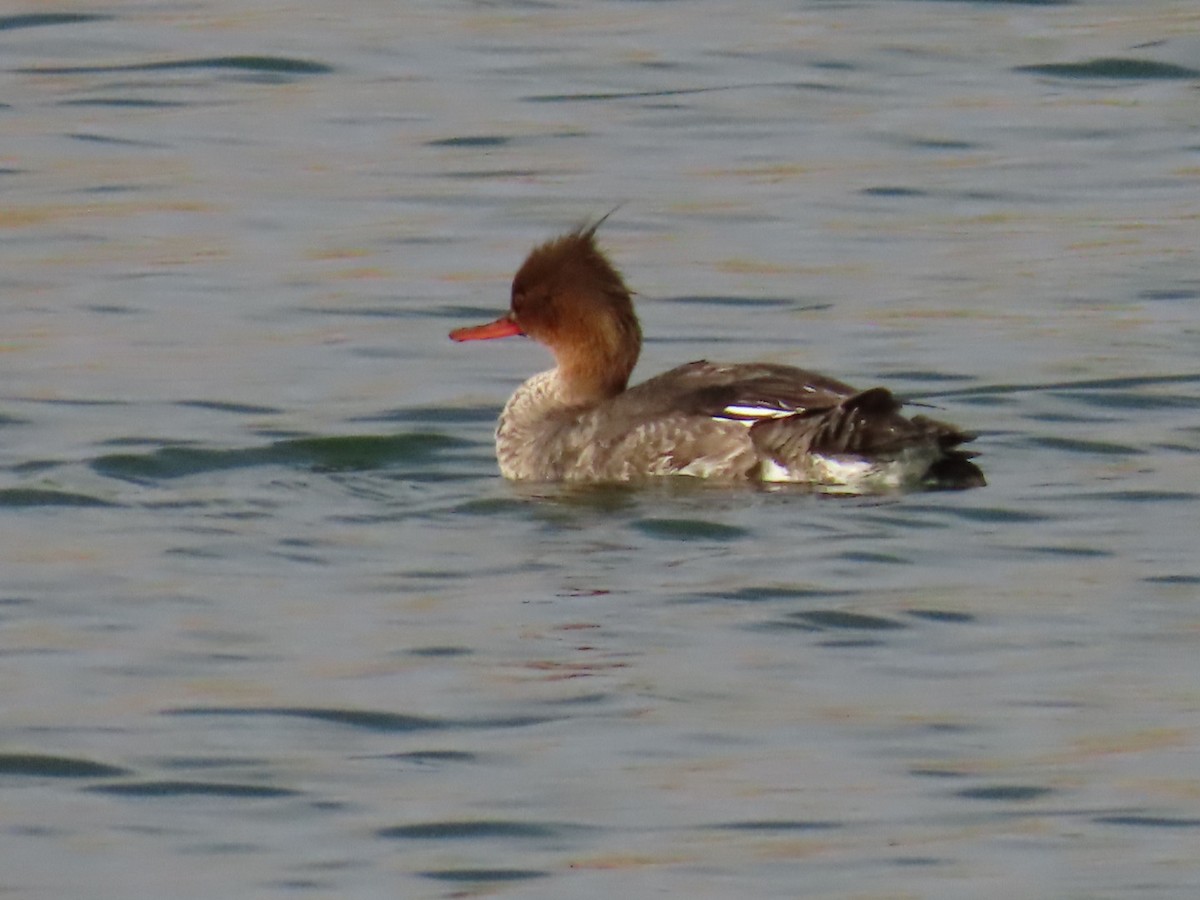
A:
(753, 422)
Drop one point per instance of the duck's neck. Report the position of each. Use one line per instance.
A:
(597, 367)
(539, 429)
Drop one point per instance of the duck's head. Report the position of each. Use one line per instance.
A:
(569, 297)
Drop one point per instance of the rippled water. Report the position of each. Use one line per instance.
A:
(270, 624)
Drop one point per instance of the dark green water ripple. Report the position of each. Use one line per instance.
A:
(1114, 67)
(36, 765)
(266, 65)
(323, 454)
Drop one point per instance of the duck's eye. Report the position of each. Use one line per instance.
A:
(520, 301)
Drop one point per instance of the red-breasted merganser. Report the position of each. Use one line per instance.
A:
(745, 422)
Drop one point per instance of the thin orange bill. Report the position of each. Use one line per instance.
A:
(502, 327)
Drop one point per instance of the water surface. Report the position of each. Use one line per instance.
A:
(271, 625)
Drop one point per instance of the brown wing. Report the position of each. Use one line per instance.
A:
(708, 389)
(731, 415)
(697, 417)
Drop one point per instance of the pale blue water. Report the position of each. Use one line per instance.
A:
(271, 625)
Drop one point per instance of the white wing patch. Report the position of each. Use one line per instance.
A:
(747, 413)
